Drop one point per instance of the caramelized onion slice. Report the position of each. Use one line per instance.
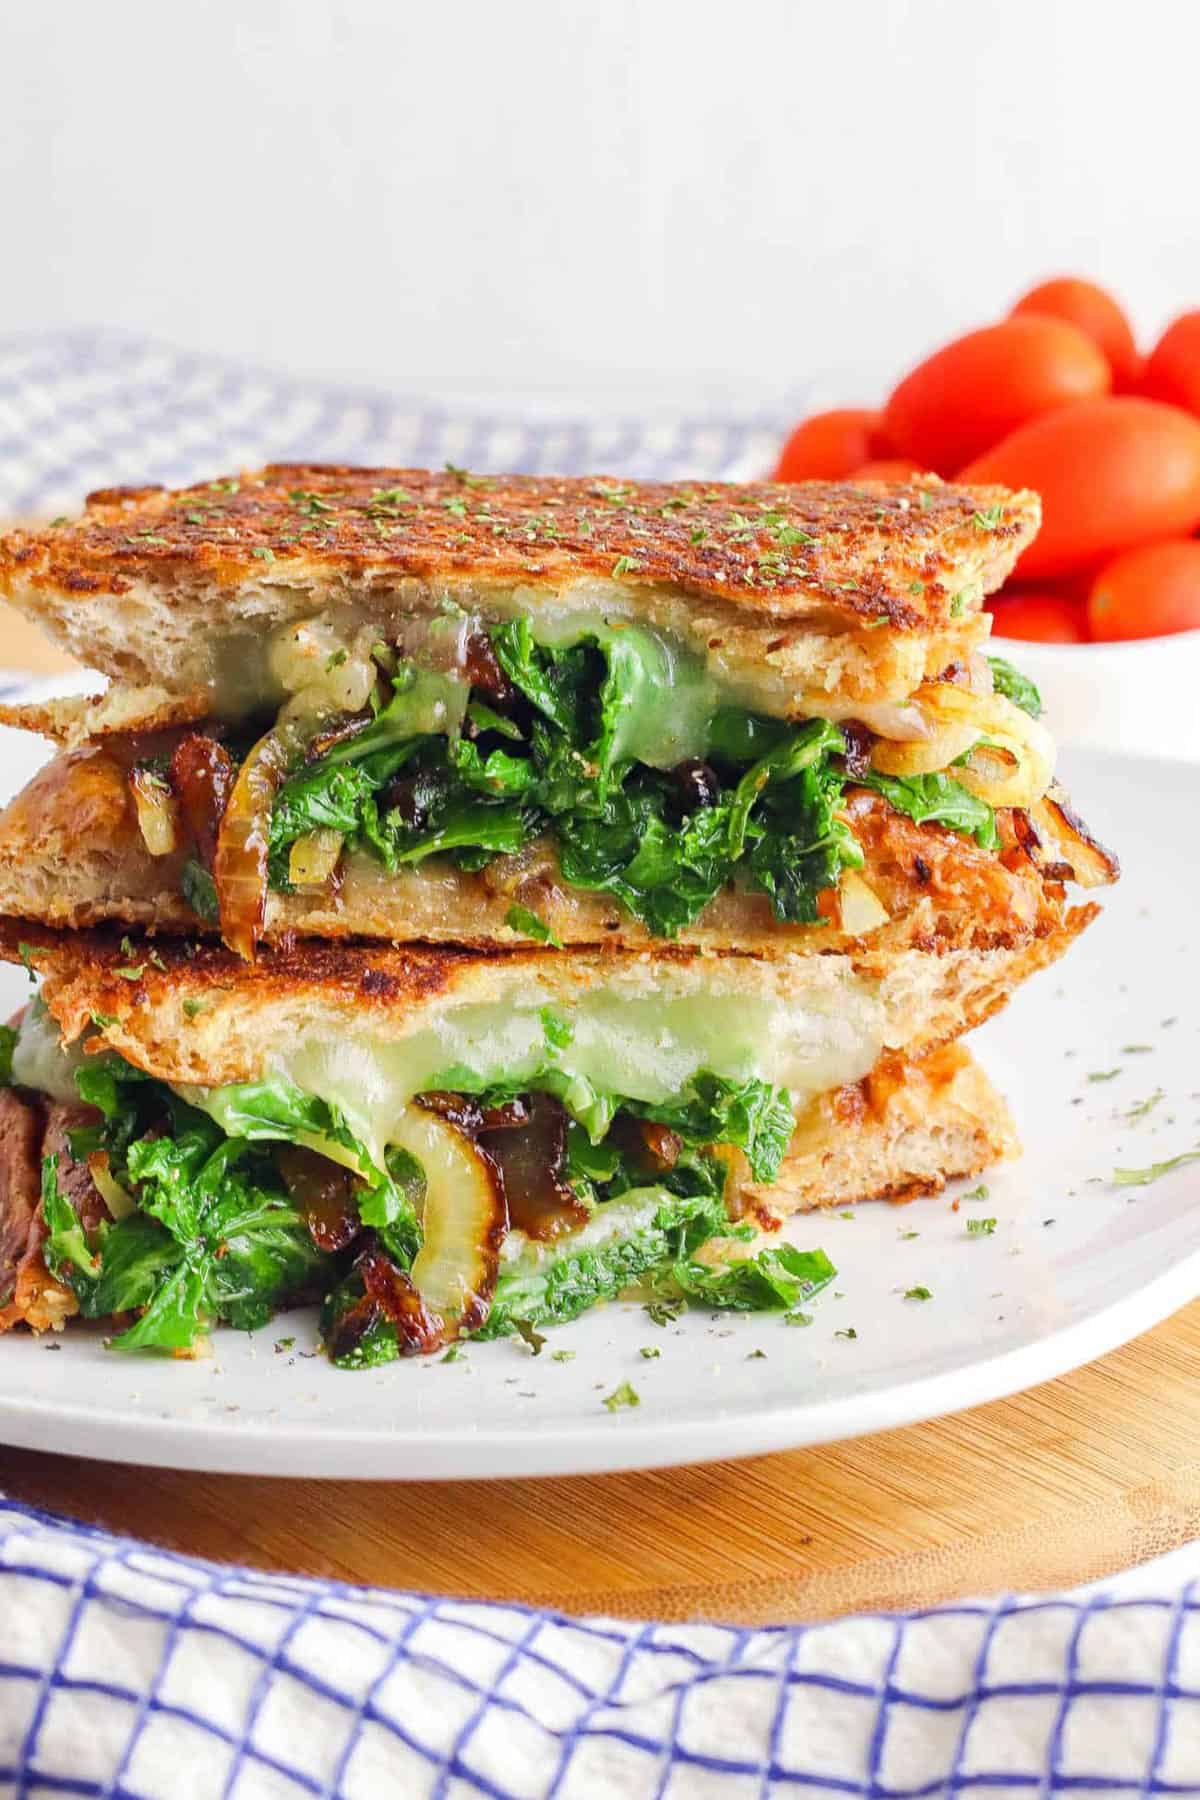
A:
(653, 1149)
(240, 863)
(323, 1194)
(119, 1200)
(202, 777)
(532, 1158)
(1013, 768)
(464, 1221)
(388, 1293)
(1063, 833)
(314, 857)
(157, 812)
(860, 907)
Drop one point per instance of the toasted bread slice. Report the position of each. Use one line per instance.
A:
(198, 1014)
(824, 598)
(71, 854)
(79, 719)
(905, 1130)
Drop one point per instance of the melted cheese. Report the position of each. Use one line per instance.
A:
(327, 658)
(646, 1046)
(39, 1058)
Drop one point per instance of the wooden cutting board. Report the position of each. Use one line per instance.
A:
(1066, 1483)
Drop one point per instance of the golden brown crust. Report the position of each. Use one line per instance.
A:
(894, 554)
(909, 1127)
(190, 1013)
(370, 979)
(84, 718)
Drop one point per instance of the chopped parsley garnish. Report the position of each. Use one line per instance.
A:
(1104, 1074)
(527, 1334)
(624, 1394)
(917, 1293)
(846, 1331)
(1154, 1171)
(650, 1352)
(980, 1227)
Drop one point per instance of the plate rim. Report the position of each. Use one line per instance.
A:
(637, 1443)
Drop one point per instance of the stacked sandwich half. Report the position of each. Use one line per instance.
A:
(472, 898)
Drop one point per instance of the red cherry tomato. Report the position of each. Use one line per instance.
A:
(888, 468)
(1173, 366)
(975, 391)
(1148, 592)
(827, 446)
(1042, 618)
(1111, 474)
(1095, 312)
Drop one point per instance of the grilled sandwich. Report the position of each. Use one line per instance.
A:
(449, 708)
(472, 898)
(440, 1144)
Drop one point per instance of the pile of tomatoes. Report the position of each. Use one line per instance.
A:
(1055, 397)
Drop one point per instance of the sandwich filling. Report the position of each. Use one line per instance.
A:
(475, 1206)
(599, 742)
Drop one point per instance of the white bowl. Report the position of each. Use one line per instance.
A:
(1142, 696)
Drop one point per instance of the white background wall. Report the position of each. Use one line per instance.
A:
(676, 198)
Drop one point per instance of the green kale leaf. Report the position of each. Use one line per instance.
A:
(938, 799)
(752, 1114)
(1016, 687)
(778, 1277)
(627, 1239)
(210, 1241)
(200, 891)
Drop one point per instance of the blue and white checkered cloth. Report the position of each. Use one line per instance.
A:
(87, 409)
(129, 1673)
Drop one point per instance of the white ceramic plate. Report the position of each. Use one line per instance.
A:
(1075, 1266)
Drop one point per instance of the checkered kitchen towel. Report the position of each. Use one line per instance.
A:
(125, 1671)
(86, 409)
